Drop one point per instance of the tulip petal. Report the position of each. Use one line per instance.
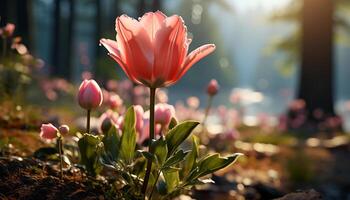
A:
(137, 47)
(169, 48)
(112, 47)
(193, 58)
(152, 22)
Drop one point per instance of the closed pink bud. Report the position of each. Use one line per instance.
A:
(213, 87)
(163, 113)
(90, 95)
(48, 131)
(64, 129)
(139, 118)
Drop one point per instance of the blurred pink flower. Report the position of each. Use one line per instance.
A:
(115, 101)
(162, 96)
(144, 134)
(139, 118)
(7, 31)
(193, 102)
(110, 114)
(112, 85)
(231, 134)
(120, 122)
(86, 75)
(90, 95)
(297, 104)
(163, 114)
(48, 131)
(153, 50)
(64, 129)
(213, 87)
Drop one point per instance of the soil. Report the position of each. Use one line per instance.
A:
(29, 178)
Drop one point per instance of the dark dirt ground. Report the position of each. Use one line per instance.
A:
(29, 178)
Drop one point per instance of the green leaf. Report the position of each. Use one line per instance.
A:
(90, 147)
(147, 155)
(191, 158)
(178, 134)
(160, 150)
(175, 159)
(173, 123)
(172, 180)
(128, 139)
(161, 187)
(211, 164)
(111, 142)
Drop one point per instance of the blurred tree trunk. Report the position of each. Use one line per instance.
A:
(316, 75)
(3, 12)
(23, 18)
(17, 12)
(70, 40)
(56, 38)
(98, 31)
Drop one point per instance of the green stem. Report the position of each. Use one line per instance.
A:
(151, 137)
(61, 156)
(210, 100)
(154, 185)
(88, 121)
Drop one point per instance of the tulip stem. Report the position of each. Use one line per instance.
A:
(151, 137)
(88, 121)
(60, 149)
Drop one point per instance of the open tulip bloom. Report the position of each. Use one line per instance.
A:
(153, 51)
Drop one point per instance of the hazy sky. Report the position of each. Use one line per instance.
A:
(246, 5)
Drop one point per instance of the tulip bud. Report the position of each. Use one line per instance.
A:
(90, 95)
(163, 114)
(48, 131)
(64, 129)
(213, 87)
(139, 118)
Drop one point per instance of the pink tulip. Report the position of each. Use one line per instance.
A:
(90, 95)
(153, 50)
(64, 129)
(163, 114)
(232, 134)
(48, 131)
(213, 87)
